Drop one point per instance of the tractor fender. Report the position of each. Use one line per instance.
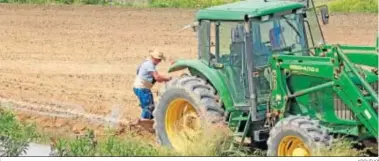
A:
(201, 69)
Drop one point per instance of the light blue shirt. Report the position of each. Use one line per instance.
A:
(144, 70)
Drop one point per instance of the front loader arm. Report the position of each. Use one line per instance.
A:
(361, 55)
(339, 74)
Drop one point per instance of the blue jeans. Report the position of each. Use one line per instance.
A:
(146, 102)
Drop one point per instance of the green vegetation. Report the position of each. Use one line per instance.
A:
(346, 6)
(88, 145)
(342, 147)
(213, 141)
(207, 143)
(14, 136)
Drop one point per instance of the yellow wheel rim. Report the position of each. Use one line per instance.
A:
(292, 146)
(181, 122)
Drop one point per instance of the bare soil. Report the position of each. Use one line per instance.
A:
(82, 59)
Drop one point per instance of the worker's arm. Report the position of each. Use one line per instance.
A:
(160, 78)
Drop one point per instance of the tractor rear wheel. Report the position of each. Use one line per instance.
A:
(184, 104)
(297, 136)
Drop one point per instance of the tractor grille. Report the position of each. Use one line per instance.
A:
(341, 109)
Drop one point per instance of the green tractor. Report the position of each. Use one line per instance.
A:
(264, 70)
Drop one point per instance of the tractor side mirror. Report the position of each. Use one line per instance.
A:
(324, 14)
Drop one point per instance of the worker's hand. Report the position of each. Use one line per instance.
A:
(172, 61)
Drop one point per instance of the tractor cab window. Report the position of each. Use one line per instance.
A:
(231, 50)
(279, 35)
(210, 44)
(225, 40)
(204, 38)
(231, 43)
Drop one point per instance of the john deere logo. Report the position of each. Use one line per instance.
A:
(304, 68)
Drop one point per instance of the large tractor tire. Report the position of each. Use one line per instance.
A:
(297, 136)
(184, 105)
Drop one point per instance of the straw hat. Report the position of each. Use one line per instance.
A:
(156, 54)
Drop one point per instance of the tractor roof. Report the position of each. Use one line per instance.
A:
(237, 10)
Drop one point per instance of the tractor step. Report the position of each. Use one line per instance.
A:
(238, 136)
(241, 118)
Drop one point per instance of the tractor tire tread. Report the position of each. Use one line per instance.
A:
(194, 87)
(312, 133)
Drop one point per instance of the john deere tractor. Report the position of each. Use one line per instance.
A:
(265, 70)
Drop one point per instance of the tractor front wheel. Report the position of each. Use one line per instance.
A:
(184, 104)
(297, 136)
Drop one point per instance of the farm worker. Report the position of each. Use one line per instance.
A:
(146, 77)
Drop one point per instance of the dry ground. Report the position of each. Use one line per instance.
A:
(83, 59)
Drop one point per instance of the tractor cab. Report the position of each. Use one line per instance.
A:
(288, 29)
(240, 38)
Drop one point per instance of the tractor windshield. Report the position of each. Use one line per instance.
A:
(283, 34)
(313, 30)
